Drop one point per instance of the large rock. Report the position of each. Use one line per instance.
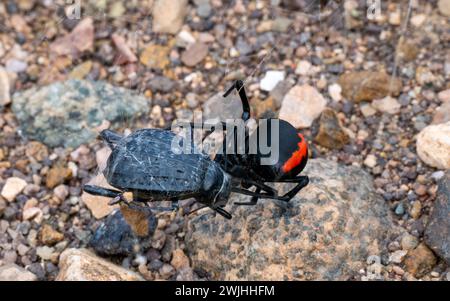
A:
(327, 232)
(367, 85)
(444, 7)
(437, 233)
(66, 113)
(433, 145)
(302, 105)
(83, 265)
(12, 272)
(168, 15)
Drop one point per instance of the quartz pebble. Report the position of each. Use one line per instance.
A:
(302, 105)
(12, 188)
(271, 79)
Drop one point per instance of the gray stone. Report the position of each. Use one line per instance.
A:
(280, 90)
(327, 232)
(243, 47)
(66, 113)
(400, 210)
(223, 108)
(44, 252)
(437, 233)
(15, 66)
(115, 236)
(204, 10)
(161, 84)
(281, 24)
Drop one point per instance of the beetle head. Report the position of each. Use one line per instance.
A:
(216, 187)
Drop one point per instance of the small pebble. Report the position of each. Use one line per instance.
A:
(400, 210)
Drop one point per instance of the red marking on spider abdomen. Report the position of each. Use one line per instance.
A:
(298, 156)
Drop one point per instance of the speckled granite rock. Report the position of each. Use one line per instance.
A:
(327, 232)
(116, 237)
(437, 233)
(66, 113)
(83, 265)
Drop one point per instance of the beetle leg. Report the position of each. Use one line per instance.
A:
(97, 190)
(252, 202)
(115, 200)
(121, 198)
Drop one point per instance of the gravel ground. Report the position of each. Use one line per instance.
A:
(290, 55)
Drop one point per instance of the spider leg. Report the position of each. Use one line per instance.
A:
(263, 187)
(302, 182)
(259, 186)
(252, 202)
(239, 86)
(293, 180)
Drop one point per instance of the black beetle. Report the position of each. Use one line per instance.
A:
(144, 164)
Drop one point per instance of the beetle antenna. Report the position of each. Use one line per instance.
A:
(111, 138)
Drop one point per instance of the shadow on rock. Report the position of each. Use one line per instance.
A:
(124, 232)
